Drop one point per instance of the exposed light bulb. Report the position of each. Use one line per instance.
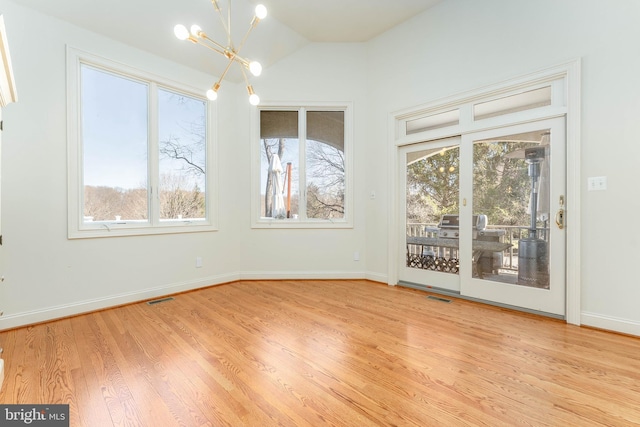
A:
(255, 68)
(212, 95)
(181, 32)
(196, 30)
(253, 98)
(261, 11)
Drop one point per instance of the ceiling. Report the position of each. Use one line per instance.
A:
(290, 24)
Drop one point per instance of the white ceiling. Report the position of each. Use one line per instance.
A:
(290, 24)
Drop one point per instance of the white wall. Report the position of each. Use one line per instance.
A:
(460, 45)
(47, 275)
(330, 73)
(456, 46)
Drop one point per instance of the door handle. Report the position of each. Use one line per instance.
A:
(560, 218)
(560, 214)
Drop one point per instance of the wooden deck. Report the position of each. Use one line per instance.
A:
(316, 353)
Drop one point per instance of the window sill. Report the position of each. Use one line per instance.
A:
(122, 230)
(296, 223)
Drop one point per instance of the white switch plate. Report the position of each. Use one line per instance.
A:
(198, 262)
(597, 183)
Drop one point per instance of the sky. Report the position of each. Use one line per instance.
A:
(115, 136)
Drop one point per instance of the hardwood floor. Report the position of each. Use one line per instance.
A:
(316, 353)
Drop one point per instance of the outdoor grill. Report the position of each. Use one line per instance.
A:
(450, 225)
(440, 249)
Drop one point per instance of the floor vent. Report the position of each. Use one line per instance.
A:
(158, 301)
(438, 298)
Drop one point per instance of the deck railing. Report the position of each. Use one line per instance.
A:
(513, 233)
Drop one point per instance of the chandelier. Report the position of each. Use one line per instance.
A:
(230, 51)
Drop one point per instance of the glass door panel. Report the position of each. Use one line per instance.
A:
(430, 174)
(510, 178)
(516, 184)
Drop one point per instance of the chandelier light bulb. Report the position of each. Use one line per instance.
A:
(253, 98)
(196, 30)
(261, 11)
(181, 32)
(212, 93)
(255, 68)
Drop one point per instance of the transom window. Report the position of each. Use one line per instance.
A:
(140, 152)
(304, 166)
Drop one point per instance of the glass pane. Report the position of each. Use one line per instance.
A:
(114, 146)
(511, 187)
(279, 164)
(432, 196)
(325, 164)
(182, 153)
(513, 103)
(435, 121)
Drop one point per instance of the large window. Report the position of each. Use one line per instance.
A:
(304, 166)
(140, 153)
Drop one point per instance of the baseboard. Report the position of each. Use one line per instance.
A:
(306, 275)
(37, 316)
(377, 277)
(10, 321)
(609, 323)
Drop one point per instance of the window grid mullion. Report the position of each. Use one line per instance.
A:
(302, 162)
(153, 156)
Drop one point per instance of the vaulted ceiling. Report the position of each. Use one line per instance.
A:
(291, 24)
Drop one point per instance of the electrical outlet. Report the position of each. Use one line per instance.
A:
(198, 262)
(356, 256)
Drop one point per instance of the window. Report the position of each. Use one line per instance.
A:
(140, 153)
(304, 166)
(528, 100)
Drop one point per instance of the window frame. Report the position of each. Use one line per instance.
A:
(257, 220)
(77, 227)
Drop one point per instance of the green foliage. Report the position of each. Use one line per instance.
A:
(501, 185)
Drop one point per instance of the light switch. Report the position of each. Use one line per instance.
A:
(597, 183)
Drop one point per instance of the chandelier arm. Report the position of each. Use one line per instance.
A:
(221, 47)
(226, 24)
(213, 48)
(231, 61)
(253, 24)
(229, 41)
(244, 76)
(218, 48)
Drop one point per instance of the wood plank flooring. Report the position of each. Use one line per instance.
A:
(322, 353)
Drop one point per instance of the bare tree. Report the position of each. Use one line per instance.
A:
(325, 191)
(176, 202)
(108, 203)
(191, 155)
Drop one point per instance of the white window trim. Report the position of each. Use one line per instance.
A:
(260, 222)
(77, 228)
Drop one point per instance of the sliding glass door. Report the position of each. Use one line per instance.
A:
(484, 215)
